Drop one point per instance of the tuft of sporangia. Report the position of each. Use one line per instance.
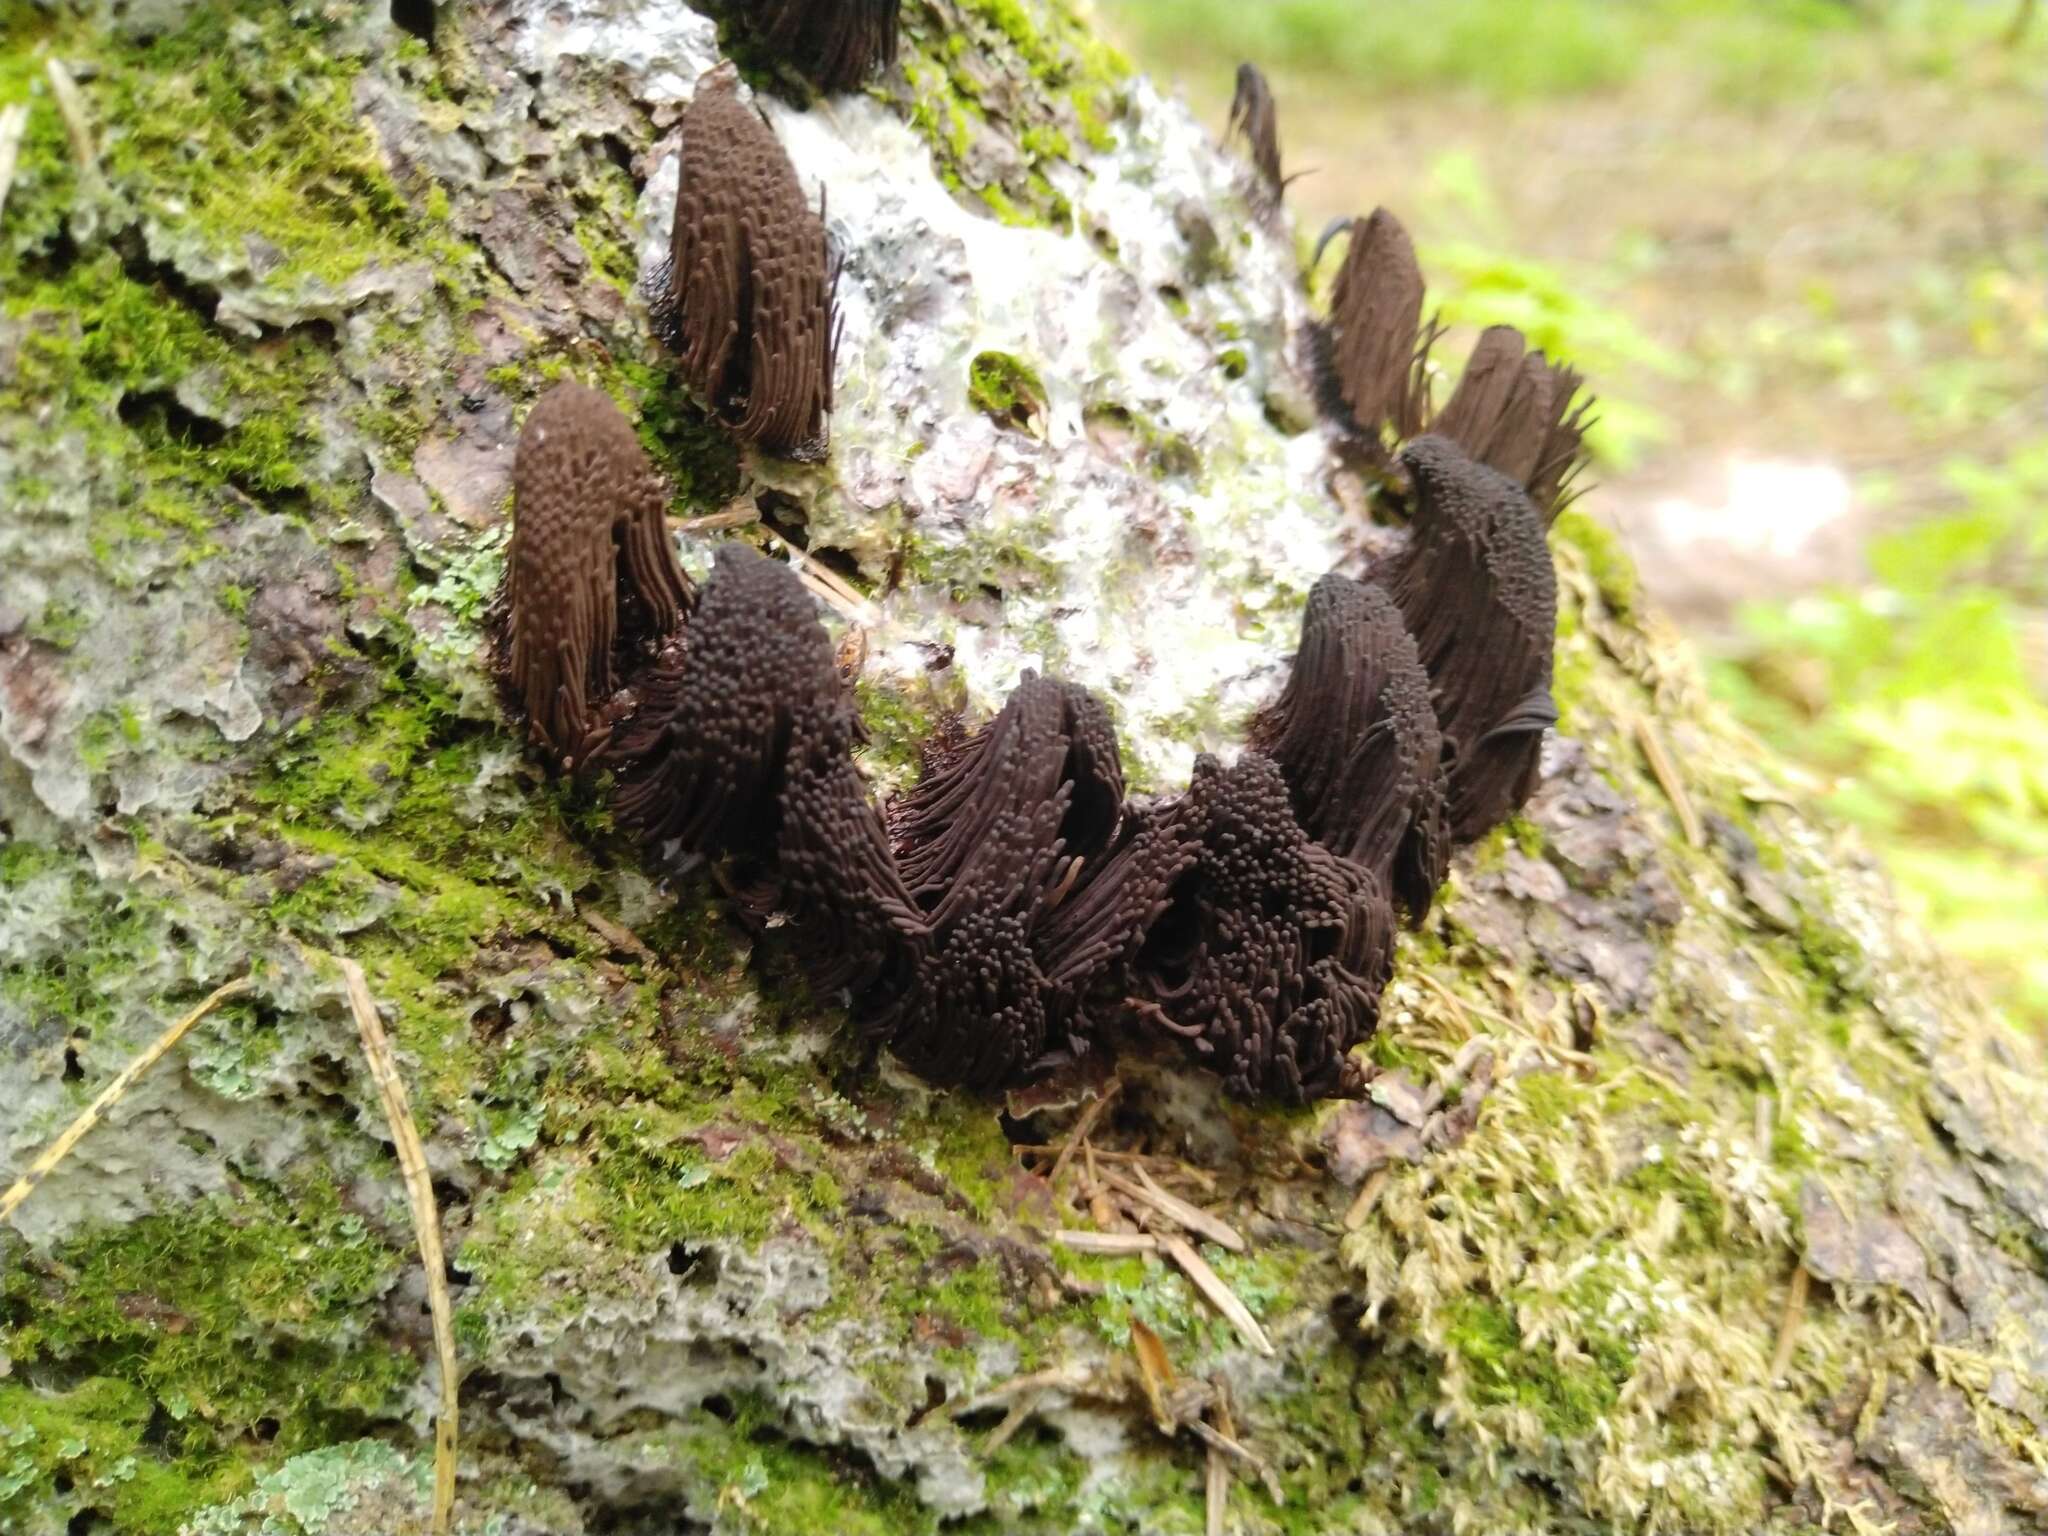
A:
(1253, 115)
(836, 44)
(1476, 588)
(749, 304)
(1372, 352)
(1515, 411)
(590, 573)
(1268, 963)
(1356, 738)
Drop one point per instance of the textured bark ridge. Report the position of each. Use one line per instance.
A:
(1686, 1195)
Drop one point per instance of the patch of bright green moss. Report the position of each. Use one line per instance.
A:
(235, 1322)
(1005, 388)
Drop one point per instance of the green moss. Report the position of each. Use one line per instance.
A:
(85, 1448)
(1006, 388)
(236, 1323)
(1613, 573)
(1055, 84)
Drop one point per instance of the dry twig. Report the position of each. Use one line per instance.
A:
(13, 125)
(1082, 1127)
(108, 1096)
(1666, 774)
(1177, 1210)
(71, 106)
(1220, 1296)
(426, 1224)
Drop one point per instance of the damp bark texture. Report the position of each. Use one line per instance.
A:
(1685, 1190)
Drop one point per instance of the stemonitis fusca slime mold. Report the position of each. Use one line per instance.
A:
(1016, 909)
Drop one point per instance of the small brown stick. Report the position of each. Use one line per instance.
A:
(1666, 775)
(715, 522)
(1788, 1329)
(71, 107)
(1053, 1378)
(1218, 1480)
(828, 586)
(1014, 1420)
(1368, 1197)
(426, 1225)
(1082, 1127)
(13, 125)
(1107, 1242)
(76, 1131)
(1193, 1217)
(1220, 1296)
(1217, 1441)
(622, 939)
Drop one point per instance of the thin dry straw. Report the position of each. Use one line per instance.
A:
(75, 1132)
(426, 1223)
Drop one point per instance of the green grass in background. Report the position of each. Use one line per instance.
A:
(1519, 49)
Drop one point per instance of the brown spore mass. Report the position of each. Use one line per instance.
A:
(590, 570)
(749, 303)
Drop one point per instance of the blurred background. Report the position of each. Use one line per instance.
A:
(1801, 249)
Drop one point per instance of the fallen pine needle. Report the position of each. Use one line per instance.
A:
(1082, 1127)
(1193, 1217)
(1666, 774)
(426, 1224)
(13, 124)
(621, 939)
(76, 1131)
(1788, 1330)
(1014, 1420)
(1368, 1197)
(71, 107)
(1218, 1479)
(1217, 1441)
(712, 522)
(1057, 1378)
(1107, 1242)
(1220, 1296)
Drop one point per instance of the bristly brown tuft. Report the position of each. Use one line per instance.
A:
(1253, 114)
(1518, 412)
(591, 569)
(993, 837)
(1374, 349)
(1356, 738)
(836, 44)
(1476, 588)
(1554, 486)
(749, 302)
(744, 745)
(1268, 963)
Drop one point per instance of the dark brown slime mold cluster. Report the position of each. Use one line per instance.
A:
(837, 44)
(1512, 410)
(749, 302)
(1015, 909)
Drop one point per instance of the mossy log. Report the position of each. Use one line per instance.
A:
(1691, 1194)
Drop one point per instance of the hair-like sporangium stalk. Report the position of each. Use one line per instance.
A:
(1476, 588)
(1372, 349)
(590, 569)
(1355, 736)
(749, 303)
(837, 44)
(1253, 114)
(1554, 486)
